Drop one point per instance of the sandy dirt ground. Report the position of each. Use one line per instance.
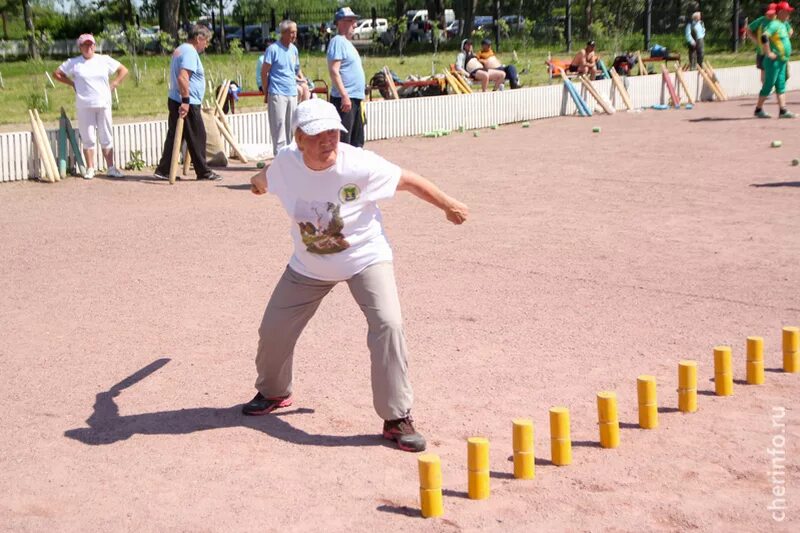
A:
(130, 312)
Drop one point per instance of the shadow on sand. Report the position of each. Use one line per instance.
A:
(106, 426)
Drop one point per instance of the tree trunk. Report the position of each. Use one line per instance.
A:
(469, 15)
(168, 17)
(588, 13)
(5, 25)
(33, 50)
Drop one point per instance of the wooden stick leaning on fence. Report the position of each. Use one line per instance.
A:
(451, 81)
(682, 82)
(51, 159)
(231, 140)
(37, 142)
(387, 74)
(462, 82)
(222, 95)
(710, 83)
(596, 95)
(712, 73)
(640, 62)
(620, 86)
(176, 151)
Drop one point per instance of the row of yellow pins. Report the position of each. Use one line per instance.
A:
(478, 473)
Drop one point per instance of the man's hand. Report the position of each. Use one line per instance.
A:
(456, 212)
(772, 55)
(183, 110)
(347, 105)
(258, 183)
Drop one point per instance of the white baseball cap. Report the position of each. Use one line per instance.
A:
(315, 116)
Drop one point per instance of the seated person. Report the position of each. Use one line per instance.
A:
(468, 64)
(489, 60)
(259, 63)
(304, 88)
(585, 61)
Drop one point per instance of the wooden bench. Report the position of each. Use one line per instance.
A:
(320, 88)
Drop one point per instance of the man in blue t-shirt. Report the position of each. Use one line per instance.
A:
(187, 88)
(279, 75)
(347, 77)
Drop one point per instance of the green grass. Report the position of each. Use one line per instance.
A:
(25, 81)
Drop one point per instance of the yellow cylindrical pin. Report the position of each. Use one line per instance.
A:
(431, 502)
(430, 471)
(755, 360)
(522, 435)
(723, 371)
(687, 386)
(478, 486)
(648, 401)
(607, 419)
(524, 465)
(791, 339)
(560, 440)
(477, 454)
(430, 485)
(791, 349)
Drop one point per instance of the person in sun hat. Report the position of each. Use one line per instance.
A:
(348, 82)
(777, 47)
(88, 74)
(331, 192)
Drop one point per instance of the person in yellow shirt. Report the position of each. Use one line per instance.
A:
(490, 61)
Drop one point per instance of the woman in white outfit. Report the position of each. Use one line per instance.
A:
(89, 75)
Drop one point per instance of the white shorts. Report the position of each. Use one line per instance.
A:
(95, 122)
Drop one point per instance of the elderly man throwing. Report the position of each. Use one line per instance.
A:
(330, 191)
(695, 34)
(279, 75)
(187, 88)
(347, 77)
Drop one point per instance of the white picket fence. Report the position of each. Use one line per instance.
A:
(388, 119)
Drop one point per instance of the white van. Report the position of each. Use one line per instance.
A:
(364, 29)
(418, 17)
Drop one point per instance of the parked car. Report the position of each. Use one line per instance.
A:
(453, 30)
(516, 23)
(418, 24)
(253, 37)
(483, 23)
(365, 31)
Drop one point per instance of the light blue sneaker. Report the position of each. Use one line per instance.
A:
(787, 114)
(763, 114)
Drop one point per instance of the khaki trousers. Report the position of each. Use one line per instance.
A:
(295, 300)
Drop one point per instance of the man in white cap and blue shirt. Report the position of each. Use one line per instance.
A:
(331, 190)
(347, 77)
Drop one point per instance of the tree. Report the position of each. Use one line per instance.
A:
(168, 16)
(8, 8)
(33, 50)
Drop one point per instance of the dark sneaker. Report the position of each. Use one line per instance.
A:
(260, 405)
(159, 176)
(403, 433)
(212, 176)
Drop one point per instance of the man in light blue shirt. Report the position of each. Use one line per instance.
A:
(186, 92)
(347, 77)
(695, 34)
(279, 75)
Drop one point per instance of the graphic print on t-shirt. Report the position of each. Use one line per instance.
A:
(321, 227)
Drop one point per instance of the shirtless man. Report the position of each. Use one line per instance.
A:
(585, 61)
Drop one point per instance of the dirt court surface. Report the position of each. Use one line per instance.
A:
(130, 312)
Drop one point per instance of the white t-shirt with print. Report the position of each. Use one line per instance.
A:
(91, 79)
(336, 222)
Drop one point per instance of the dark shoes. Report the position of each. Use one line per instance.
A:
(260, 405)
(403, 433)
(212, 176)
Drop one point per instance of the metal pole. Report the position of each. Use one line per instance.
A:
(648, 11)
(221, 26)
(736, 6)
(569, 26)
